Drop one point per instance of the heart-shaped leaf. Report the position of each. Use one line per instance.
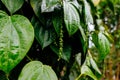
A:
(16, 37)
(102, 44)
(35, 70)
(13, 5)
(71, 17)
(45, 36)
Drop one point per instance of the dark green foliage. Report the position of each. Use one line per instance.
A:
(59, 31)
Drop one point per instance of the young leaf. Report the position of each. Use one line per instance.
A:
(71, 18)
(13, 5)
(93, 64)
(102, 44)
(35, 70)
(85, 70)
(49, 5)
(16, 37)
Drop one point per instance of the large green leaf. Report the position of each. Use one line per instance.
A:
(102, 44)
(71, 18)
(35, 70)
(16, 37)
(49, 5)
(45, 36)
(13, 5)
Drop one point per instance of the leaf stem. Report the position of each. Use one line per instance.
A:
(29, 58)
(78, 77)
(7, 76)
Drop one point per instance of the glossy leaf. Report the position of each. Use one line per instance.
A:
(49, 5)
(88, 15)
(13, 5)
(77, 5)
(36, 5)
(71, 18)
(85, 70)
(93, 64)
(57, 22)
(102, 44)
(66, 51)
(35, 70)
(16, 37)
(45, 36)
